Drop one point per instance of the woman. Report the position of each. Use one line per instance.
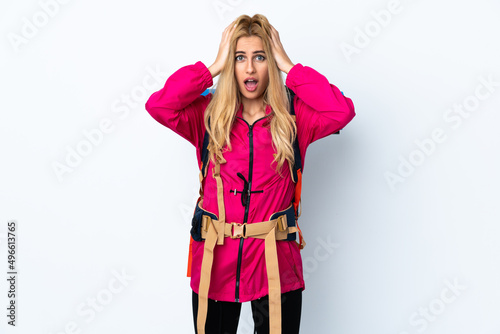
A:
(242, 249)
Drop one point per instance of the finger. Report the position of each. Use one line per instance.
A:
(274, 31)
(272, 34)
(228, 31)
(230, 26)
(274, 37)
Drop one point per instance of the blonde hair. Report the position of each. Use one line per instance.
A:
(225, 102)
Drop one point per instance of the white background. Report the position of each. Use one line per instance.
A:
(125, 207)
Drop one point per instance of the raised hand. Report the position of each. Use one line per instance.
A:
(218, 65)
(284, 63)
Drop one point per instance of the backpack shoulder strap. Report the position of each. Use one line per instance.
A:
(296, 171)
(204, 153)
(204, 148)
(296, 149)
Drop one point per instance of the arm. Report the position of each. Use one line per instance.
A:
(179, 104)
(320, 107)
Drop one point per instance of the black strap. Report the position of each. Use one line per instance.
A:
(204, 152)
(296, 148)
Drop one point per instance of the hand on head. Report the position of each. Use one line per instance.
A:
(282, 60)
(284, 63)
(218, 65)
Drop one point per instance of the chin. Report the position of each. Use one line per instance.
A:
(251, 95)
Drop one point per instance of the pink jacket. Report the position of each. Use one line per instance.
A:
(239, 270)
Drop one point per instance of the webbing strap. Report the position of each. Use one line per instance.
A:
(274, 286)
(254, 230)
(270, 231)
(215, 231)
(220, 198)
(206, 271)
(213, 236)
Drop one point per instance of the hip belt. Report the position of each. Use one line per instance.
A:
(276, 228)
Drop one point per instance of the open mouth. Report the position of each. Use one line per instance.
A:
(251, 85)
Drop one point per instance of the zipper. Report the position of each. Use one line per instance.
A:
(247, 206)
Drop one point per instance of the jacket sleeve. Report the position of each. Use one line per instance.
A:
(320, 107)
(179, 104)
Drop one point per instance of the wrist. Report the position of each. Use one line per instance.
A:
(214, 70)
(288, 67)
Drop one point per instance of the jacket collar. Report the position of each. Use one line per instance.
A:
(239, 113)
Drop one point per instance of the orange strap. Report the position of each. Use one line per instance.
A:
(297, 198)
(190, 256)
(298, 192)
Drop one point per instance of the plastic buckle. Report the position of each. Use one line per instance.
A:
(282, 223)
(206, 221)
(238, 230)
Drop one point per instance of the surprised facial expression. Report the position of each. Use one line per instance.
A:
(250, 67)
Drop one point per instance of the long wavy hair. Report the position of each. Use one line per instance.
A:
(225, 102)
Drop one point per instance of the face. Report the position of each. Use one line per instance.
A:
(251, 65)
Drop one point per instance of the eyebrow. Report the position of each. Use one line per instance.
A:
(259, 51)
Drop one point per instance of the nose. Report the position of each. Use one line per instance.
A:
(250, 68)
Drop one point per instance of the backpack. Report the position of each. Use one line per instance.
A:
(296, 177)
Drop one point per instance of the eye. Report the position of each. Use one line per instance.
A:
(239, 57)
(260, 57)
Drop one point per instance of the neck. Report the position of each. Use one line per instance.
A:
(253, 106)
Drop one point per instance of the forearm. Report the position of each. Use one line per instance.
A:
(321, 108)
(179, 105)
(180, 89)
(314, 89)
(214, 70)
